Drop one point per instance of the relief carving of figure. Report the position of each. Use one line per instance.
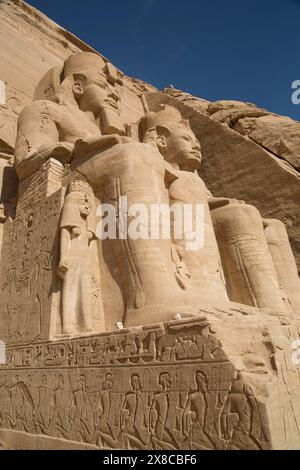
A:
(164, 434)
(181, 272)
(240, 420)
(37, 292)
(104, 415)
(80, 413)
(6, 418)
(134, 424)
(43, 414)
(22, 405)
(59, 418)
(198, 416)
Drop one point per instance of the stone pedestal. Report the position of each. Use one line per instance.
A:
(186, 384)
(29, 298)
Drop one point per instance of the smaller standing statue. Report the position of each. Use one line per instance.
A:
(77, 232)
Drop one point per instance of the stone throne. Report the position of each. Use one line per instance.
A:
(123, 337)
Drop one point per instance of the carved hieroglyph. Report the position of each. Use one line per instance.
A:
(178, 376)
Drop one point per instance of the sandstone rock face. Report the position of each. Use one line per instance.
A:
(149, 300)
(278, 134)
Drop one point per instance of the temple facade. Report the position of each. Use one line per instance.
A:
(150, 296)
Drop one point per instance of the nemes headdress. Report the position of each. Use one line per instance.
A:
(165, 116)
(50, 86)
(86, 61)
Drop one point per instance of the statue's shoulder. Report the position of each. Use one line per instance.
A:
(130, 147)
(189, 177)
(40, 107)
(190, 182)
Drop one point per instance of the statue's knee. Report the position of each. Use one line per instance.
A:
(274, 223)
(275, 229)
(248, 211)
(237, 214)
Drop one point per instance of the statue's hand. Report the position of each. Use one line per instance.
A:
(236, 201)
(98, 142)
(62, 269)
(63, 152)
(216, 202)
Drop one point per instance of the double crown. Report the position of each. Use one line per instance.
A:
(80, 186)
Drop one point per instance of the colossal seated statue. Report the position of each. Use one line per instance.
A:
(79, 102)
(75, 119)
(78, 124)
(256, 256)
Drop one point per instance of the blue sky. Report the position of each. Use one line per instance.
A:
(215, 49)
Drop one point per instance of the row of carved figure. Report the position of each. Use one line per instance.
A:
(56, 405)
(75, 119)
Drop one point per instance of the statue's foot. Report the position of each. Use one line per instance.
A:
(183, 305)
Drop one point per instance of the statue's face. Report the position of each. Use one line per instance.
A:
(85, 206)
(183, 148)
(97, 94)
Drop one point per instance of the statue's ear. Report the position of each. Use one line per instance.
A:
(79, 82)
(161, 141)
(150, 136)
(185, 123)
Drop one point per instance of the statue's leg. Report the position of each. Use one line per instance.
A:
(135, 172)
(86, 320)
(145, 263)
(284, 261)
(249, 269)
(70, 300)
(203, 262)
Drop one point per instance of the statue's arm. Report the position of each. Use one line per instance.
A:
(38, 139)
(215, 202)
(97, 143)
(65, 240)
(61, 152)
